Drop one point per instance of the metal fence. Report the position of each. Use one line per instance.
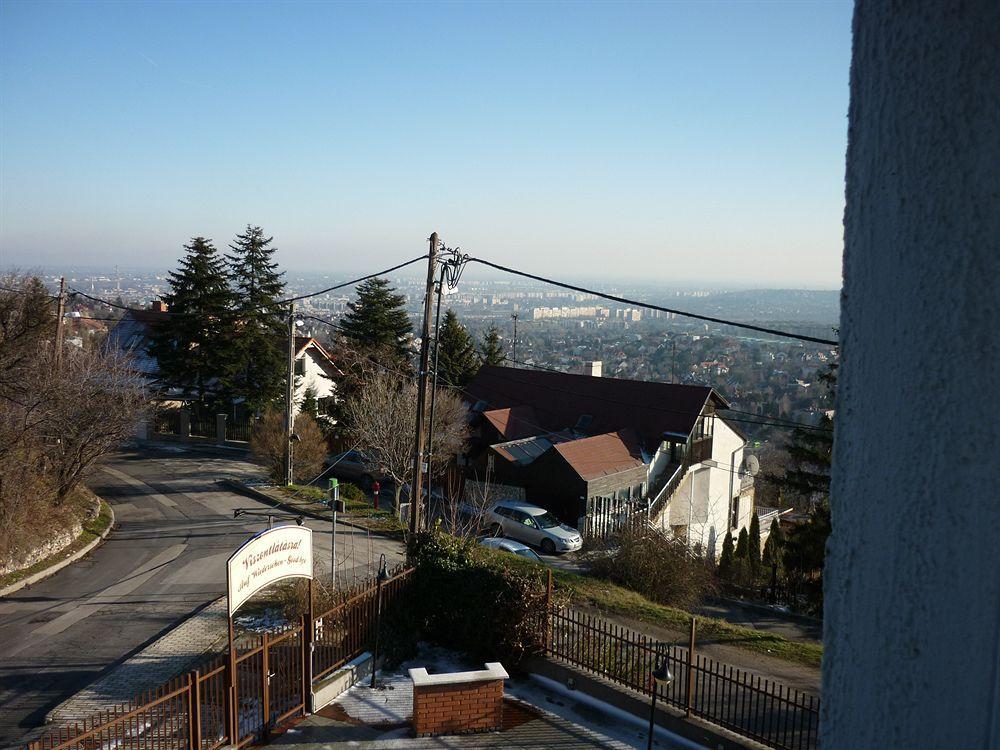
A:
(167, 422)
(203, 425)
(238, 428)
(744, 703)
(200, 709)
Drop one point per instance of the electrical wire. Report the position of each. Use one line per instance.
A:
(276, 303)
(650, 306)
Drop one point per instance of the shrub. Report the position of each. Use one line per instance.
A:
(648, 562)
(472, 599)
(267, 443)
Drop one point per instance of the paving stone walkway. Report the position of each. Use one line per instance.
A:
(180, 650)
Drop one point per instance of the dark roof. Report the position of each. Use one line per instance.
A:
(594, 405)
(601, 455)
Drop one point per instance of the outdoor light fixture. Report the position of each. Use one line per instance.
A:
(662, 676)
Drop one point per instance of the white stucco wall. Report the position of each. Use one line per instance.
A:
(312, 375)
(912, 597)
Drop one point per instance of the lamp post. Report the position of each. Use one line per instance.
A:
(383, 576)
(662, 676)
(336, 505)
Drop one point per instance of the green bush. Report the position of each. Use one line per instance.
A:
(486, 603)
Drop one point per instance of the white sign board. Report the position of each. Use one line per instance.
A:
(272, 555)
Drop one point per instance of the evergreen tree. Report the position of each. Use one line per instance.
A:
(193, 345)
(742, 545)
(805, 552)
(261, 331)
(378, 320)
(773, 545)
(457, 359)
(811, 452)
(726, 559)
(741, 563)
(310, 402)
(491, 350)
(753, 544)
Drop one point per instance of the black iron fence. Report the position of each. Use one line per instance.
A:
(738, 700)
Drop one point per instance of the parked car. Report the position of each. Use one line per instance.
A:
(532, 525)
(351, 467)
(509, 545)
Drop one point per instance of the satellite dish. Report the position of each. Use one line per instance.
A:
(752, 466)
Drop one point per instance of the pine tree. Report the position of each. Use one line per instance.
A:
(491, 350)
(726, 559)
(193, 345)
(742, 545)
(753, 544)
(378, 319)
(310, 402)
(261, 332)
(457, 359)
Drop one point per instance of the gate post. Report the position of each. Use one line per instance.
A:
(194, 708)
(690, 668)
(266, 685)
(306, 642)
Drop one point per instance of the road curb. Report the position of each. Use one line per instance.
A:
(244, 489)
(56, 567)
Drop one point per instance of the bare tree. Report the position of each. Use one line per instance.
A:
(90, 407)
(380, 417)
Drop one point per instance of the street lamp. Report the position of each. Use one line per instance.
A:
(383, 576)
(662, 676)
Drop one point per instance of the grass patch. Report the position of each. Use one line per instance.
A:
(610, 597)
(91, 530)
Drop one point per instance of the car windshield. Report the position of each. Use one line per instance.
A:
(530, 554)
(546, 520)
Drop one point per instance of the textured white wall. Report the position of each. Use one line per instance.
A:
(912, 627)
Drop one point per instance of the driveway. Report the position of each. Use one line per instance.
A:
(164, 561)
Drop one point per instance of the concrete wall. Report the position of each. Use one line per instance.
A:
(912, 626)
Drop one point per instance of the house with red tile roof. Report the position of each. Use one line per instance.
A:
(601, 452)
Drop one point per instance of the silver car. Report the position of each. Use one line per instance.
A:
(532, 525)
(509, 545)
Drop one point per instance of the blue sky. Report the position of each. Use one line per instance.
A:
(665, 141)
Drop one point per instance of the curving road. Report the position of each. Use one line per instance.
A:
(165, 560)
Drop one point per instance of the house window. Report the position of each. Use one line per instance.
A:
(736, 512)
(300, 366)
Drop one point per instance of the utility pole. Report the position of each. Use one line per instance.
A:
(425, 334)
(513, 354)
(434, 383)
(59, 322)
(290, 395)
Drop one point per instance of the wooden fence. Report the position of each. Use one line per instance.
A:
(737, 700)
(274, 672)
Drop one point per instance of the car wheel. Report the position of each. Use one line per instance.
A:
(496, 530)
(548, 547)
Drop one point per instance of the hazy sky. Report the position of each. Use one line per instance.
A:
(669, 141)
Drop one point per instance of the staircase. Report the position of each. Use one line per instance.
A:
(664, 488)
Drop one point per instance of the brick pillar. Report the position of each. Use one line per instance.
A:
(185, 423)
(458, 703)
(220, 428)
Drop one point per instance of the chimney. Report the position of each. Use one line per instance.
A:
(158, 306)
(592, 368)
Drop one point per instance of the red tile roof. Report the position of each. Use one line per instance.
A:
(513, 423)
(601, 455)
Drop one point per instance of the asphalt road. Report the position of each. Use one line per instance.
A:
(164, 561)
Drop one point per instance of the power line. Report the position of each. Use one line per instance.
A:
(276, 303)
(650, 306)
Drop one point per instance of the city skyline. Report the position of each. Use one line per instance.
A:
(688, 142)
